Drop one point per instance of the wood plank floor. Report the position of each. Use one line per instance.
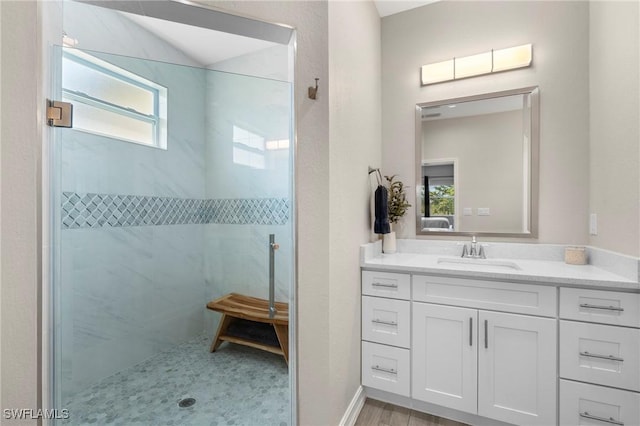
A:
(376, 413)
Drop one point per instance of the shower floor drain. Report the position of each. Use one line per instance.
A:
(187, 402)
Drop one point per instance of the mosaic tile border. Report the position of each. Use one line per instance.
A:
(89, 210)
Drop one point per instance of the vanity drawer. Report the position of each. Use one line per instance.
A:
(602, 354)
(507, 297)
(607, 307)
(386, 284)
(584, 404)
(385, 368)
(386, 321)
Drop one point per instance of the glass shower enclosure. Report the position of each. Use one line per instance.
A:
(166, 191)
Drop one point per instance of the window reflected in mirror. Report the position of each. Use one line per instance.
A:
(438, 209)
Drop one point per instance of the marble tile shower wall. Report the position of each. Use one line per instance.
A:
(236, 258)
(127, 293)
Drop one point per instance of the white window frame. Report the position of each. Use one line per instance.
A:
(158, 119)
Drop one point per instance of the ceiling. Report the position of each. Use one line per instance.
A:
(391, 7)
(203, 45)
(207, 47)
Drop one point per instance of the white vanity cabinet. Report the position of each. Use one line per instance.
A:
(486, 351)
(524, 339)
(498, 365)
(599, 357)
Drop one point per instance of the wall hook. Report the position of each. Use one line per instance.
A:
(313, 91)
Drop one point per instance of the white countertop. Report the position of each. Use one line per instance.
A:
(551, 272)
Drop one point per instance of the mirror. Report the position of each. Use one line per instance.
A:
(477, 165)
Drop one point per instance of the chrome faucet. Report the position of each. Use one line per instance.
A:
(474, 250)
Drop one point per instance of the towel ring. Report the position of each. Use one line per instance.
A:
(378, 176)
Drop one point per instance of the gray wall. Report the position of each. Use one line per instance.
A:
(355, 144)
(614, 46)
(559, 32)
(19, 209)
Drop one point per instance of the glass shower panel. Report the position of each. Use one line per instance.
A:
(145, 237)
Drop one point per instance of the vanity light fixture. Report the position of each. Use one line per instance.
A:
(438, 72)
(483, 63)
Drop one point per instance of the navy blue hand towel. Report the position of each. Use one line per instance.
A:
(381, 224)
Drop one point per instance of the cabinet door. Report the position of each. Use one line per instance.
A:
(517, 368)
(445, 356)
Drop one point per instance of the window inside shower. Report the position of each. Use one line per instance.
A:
(113, 102)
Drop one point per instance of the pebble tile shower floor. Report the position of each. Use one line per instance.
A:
(236, 385)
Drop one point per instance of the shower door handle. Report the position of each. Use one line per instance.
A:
(273, 246)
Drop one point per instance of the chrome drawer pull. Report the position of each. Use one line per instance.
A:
(385, 370)
(377, 321)
(384, 285)
(609, 357)
(606, 308)
(610, 420)
(486, 334)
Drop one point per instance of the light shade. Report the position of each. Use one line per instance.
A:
(438, 72)
(479, 64)
(512, 58)
(469, 66)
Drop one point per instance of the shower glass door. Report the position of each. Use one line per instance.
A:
(166, 191)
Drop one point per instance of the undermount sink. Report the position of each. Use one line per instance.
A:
(478, 264)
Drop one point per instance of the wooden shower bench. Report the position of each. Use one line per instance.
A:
(234, 307)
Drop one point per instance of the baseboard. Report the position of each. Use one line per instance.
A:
(436, 410)
(353, 410)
